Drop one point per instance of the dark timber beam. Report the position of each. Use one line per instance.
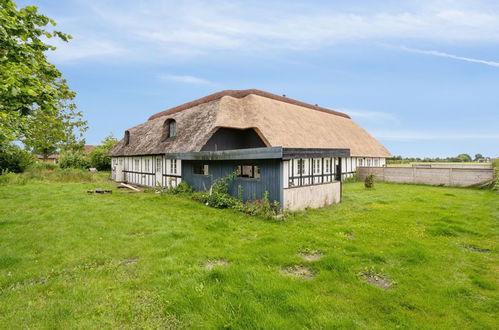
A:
(261, 153)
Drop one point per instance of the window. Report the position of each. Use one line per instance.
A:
(300, 165)
(127, 138)
(376, 162)
(137, 164)
(360, 162)
(173, 166)
(318, 165)
(158, 165)
(200, 169)
(121, 161)
(248, 171)
(326, 165)
(146, 165)
(169, 129)
(172, 128)
(369, 162)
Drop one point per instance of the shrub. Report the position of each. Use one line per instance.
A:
(261, 208)
(98, 156)
(14, 159)
(98, 159)
(181, 189)
(369, 181)
(69, 159)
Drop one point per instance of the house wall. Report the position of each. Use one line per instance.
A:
(147, 170)
(322, 170)
(313, 196)
(270, 177)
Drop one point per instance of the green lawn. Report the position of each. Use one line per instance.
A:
(69, 259)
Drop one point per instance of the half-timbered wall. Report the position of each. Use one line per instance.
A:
(147, 170)
(308, 171)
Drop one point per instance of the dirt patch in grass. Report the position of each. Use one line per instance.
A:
(378, 281)
(138, 234)
(300, 271)
(313, 256)
(130, 261)
(475, 249)
(210, 264)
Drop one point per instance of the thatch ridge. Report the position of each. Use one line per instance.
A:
(241, 93)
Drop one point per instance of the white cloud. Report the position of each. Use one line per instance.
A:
(81, 48)
(185, 79)
(394, 135)
(456, 57)
(196, 27)
(369, 115)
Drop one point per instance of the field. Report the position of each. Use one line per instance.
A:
(69, 259)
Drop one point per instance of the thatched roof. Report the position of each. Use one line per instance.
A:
(278, 120)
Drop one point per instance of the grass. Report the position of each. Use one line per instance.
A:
(69, 259)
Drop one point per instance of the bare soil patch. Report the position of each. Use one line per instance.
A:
(378, 281)
(210, 264)
(314, 256)
(300, 271)
(130, 261)
(475, 249)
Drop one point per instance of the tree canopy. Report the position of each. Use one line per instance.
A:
(36, 103)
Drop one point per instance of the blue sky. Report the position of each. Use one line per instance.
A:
(421, 76)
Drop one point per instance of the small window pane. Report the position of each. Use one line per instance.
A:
(200, 169)
(248, 171)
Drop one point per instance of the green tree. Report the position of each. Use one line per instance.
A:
(98, 156)
(463, 158)
(14, 159)
(478, 157)
(36, 104)
(46, 132)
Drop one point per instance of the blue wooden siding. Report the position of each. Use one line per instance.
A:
(270, 177)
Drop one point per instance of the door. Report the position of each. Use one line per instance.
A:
(118, 170)
(338, 171)
(159, 171)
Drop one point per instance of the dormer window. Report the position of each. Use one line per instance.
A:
(169, 129)
(172, 128)
(127, 137)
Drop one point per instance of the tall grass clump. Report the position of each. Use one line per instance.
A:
(47, 173)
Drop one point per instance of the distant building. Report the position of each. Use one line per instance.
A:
(49, 159)
(87, 149)
(296, 152)
(54, 157)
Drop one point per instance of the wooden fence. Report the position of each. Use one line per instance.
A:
(459, 177)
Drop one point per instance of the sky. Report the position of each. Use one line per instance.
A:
(420, 76)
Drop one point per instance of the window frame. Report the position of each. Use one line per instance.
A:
(205, 169)
(255, 170)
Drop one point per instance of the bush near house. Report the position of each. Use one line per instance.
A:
(14, 159)
(98, 158)
(73, 159)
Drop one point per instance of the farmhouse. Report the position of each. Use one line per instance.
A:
(293, 152)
